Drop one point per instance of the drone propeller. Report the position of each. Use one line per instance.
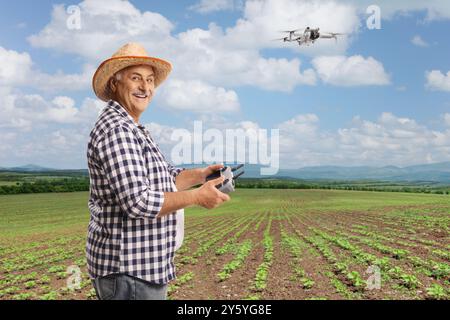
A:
(289, 31)
(278, 39)
(335, 33)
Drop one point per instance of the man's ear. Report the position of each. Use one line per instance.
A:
(113, 84)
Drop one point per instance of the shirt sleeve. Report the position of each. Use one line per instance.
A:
(121, 157)
(174, 171)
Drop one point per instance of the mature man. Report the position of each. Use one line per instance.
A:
(136, 195)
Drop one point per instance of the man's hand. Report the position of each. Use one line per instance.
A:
(205, 172)
(208, 196)
(193, 177)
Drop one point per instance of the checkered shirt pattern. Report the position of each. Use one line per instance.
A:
(128, 178)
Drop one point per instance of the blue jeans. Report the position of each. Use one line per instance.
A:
(124, 287)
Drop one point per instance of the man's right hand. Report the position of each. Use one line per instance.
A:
(208, 196)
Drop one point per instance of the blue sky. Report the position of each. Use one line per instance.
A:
(327, 112)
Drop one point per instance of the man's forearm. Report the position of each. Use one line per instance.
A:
(177, 200)
(189, 178)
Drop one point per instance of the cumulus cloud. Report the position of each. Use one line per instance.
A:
(390, 140)
(25, 111)
(437, 81)
(18, 69)
(254, 31)
(198, 96)
(350, 71)
(447, 119)
(206, 56)
(52, 133)
(210, 55)
(105, 25)
(212, 62)
(418, 41)
(15, 67)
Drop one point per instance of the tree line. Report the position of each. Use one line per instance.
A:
(82, 184)
(286, 184)
(45, 186)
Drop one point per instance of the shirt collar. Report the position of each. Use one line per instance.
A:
(124, 113)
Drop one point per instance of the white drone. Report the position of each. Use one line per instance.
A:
(309, 36)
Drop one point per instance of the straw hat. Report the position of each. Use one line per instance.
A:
(131, 54)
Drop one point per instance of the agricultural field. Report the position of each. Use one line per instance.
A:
(264, 244)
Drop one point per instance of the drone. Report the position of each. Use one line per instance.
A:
(308, 37)
(228, 173)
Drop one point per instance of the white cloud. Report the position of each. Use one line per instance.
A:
(49, 133)
(18, 69)
(105, 25)
(61, 81)
(230, 57)
(418, 41)
(219, 57)
(24, 112)
(447, 119)
(437, 81)
(198, 96)
(206, 56)
(390, 140)
(301, 126)
(208, 6)
(350, 71)
(255, 31)
(15, 67)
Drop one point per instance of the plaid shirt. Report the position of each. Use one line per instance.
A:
(128, 178)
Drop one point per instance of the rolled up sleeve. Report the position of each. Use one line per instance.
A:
(121, 157)
(174, 171)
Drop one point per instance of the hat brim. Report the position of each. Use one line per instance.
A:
(111, 66)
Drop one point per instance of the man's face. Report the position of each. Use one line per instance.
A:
(135, 89)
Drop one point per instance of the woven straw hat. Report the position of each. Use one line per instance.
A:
(131, 54)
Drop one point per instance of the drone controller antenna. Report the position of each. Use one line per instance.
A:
(238, 175)
(222, 184)
(237, 167)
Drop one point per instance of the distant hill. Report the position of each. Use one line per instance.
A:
(31, 168)
(436, 172)
(28, 168)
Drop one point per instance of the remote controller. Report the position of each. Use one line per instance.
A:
(228, 173)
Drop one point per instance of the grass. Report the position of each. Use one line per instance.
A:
(41, 235)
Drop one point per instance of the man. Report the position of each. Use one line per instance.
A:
(136, 195)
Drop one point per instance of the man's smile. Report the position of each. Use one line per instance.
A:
(140, 95)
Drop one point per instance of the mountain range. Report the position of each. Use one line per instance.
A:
(436, 172)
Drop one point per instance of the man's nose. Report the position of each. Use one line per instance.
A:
(145, 86)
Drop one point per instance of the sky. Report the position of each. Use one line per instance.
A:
(378, 96)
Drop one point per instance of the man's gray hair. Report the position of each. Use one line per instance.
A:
(117, 76)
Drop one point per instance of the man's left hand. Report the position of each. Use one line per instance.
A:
(205, 172)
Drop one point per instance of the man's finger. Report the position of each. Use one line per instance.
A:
(218, 180)
(225, 197)
(215, 167)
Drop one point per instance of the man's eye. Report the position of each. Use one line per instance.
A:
(150, 80)
(135, 78)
